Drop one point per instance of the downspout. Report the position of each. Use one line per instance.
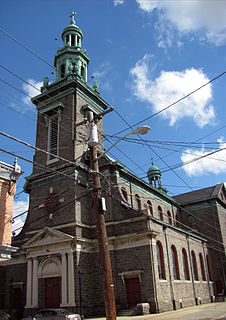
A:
(192, 274)
(170, 276)
(207, 273)
(154, 278)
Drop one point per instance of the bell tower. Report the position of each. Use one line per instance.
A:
(61, 140)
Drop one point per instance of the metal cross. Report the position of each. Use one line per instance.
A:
(72, 17)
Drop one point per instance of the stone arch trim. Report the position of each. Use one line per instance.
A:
(50, 267)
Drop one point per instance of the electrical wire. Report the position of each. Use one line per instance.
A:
(174, 103)
(28, 83)
(131, 127)
(29, 50)
(145, 118)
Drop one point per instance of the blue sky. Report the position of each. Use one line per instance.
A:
(145, 55)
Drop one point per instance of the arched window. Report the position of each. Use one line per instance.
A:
(124, 193)
(202, 267)
(208, 267)
(150, 209)
(160, 213)
(160, 260)
(169, 217)
(194, 264)
(137, 202)
(176, 273)
(185, 265)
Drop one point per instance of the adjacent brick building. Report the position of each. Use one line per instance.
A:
(8, 177)
(157, 260)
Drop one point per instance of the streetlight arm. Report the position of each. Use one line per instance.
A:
(105, 151)
(140, 130)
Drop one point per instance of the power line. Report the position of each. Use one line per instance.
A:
(28, 83)
(68, 133)
(196, 159)
(22, 45)
(154, 151)
(47, 218)
(172, 104)
(40, 165)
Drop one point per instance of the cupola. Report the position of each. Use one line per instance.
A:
(71, 60)
(154, 176)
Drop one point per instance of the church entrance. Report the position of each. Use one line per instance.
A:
(52, 292)
(133, 291)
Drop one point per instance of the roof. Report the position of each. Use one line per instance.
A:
(210, 192)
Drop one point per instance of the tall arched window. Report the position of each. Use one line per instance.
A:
(208, 267)
(202, 267)
(160, 260)
(176, 272)
(185, 265)
(169, 217)
(160, 213)
(137, 202)
(150, 209)
(194, 264)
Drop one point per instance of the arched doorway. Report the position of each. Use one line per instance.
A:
(50, 272)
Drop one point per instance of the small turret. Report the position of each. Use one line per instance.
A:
(71, 60)
(154, 177)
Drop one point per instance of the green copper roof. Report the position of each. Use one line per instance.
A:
(72, 27)
(153, 170)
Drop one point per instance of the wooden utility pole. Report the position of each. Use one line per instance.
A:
(105, 262)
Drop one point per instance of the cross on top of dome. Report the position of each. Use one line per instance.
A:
(72, 17)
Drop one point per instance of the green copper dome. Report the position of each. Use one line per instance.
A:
(72, 28)
(153, 171)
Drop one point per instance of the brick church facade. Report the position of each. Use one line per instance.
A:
(159, 259)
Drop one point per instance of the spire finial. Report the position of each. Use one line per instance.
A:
(72, 17)
(152, 161)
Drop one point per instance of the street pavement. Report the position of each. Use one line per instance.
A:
(210, 311)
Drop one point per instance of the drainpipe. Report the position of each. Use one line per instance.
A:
(192, 274)
(170, 276)
(207, 273)
(154, 278)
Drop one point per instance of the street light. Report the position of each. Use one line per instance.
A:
(105, 262)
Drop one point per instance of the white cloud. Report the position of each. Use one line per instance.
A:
(214, 163)
(207, 17)
(18, 208)
(31, 90)
(117, 2)
(171, 86)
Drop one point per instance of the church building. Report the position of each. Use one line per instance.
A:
(161, 260)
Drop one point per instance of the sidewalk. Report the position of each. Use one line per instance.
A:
(207, 311)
